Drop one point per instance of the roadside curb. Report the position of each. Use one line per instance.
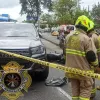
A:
(50, 41)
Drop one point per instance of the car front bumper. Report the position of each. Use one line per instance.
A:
(5, 60)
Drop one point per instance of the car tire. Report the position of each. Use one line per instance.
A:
(41, 76)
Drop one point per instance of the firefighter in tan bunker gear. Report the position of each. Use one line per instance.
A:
(96, 39)
(94, 36)
(81, 55)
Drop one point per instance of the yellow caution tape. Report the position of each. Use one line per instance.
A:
(57, 66)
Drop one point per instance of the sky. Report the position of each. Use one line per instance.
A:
(90, 3)
(12, 7)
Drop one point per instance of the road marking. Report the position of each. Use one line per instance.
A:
(64, 93)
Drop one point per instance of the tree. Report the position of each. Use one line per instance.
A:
(48, 19)
(67, 11)
(33, 7)
(80, 12)
(96, 13)
(47, 4)
(64, 10)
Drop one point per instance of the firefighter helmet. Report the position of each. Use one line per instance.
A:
(83, 23)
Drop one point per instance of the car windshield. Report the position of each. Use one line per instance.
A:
(17, 30)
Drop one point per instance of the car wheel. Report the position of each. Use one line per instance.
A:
(42, 75)
(39, 72)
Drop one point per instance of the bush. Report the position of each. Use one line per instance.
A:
(43, 26)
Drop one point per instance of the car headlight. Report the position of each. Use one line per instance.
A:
(37, 50)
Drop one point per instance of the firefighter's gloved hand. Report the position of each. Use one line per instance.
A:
(91, 58)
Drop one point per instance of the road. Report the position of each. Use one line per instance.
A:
(38, 90)
(49, 37)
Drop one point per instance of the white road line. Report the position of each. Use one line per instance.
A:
(64, 93)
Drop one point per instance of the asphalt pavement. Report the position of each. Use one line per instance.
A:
(50, 38)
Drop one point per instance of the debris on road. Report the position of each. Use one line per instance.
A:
(58, 82)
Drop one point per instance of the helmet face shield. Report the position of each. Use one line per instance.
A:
(83, 23)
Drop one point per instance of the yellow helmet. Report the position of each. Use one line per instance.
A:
(91, 25)
(83, 22)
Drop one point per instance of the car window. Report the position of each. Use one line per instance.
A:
(70, 27)
(17, 30)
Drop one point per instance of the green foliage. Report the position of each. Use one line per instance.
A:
(33, 7)
(64, 10)
(67, 11)
(47, 4)
(97, 26)
(42, 26)
(65, 19)
(49, 19)
(96, 13)
(31, 21)
(80, 12)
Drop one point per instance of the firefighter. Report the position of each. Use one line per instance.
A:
(98, 50)
(64, 47)
(81, 55)
(94, 36)
(96, 39)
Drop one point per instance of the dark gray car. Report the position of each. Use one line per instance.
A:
(23, 39)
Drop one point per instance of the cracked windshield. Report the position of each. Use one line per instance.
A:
(50, 49)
